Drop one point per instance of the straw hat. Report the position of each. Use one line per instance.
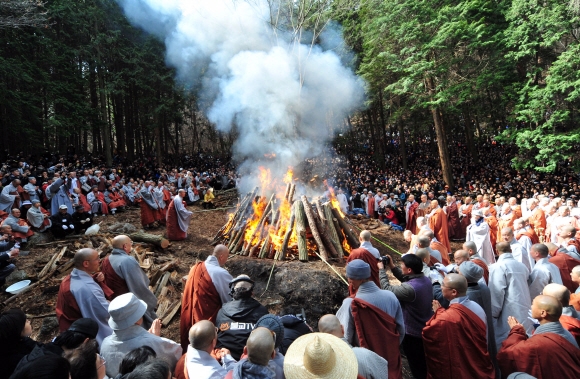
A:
(321, 356)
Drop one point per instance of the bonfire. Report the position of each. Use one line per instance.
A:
(277, 226)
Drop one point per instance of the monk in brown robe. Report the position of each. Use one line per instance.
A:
(457, 335)
(538, 218)
(368, 257)
(206, 289)
(411, 209)
(438, 224)
(465, 213)
(551, 352)
(575, 297)
(456, 232)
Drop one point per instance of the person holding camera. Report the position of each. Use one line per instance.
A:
(415, 294)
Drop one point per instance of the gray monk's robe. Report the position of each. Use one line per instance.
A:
(510, 295)
(58, 195)
(183, 215)
(147, 196)
(7, 200)
(128, 269)
(13, 222)
(158, 193)
(116, 346)
(91, 301)
(35, 217)
(32, 192)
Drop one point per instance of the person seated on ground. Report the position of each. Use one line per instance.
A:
(259, 350)
(26, 204)
(86, 362)
(20, 229)
(294, 327)
(133, 359)
(15, 341)
(62, 223)
(81, 219)
(208, 199)
(153, 369)
(96, 200)
(38, 217)
(320, 355)
(46, 367)
(236, 319)
(275, 325)
(6, 263)
(520, 353)
(202, 360)
(126, 316)
(370, 364)
(114, 200)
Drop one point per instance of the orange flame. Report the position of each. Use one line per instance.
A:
(333, 201)
(345, 246)
(289, 175)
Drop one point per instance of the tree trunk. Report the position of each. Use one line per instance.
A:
(106, 132)
(301, 224)
(441, 139)
(402, 144)
(469, 137)
(153, 239)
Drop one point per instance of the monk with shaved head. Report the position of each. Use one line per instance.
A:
(569, 318)
(206, 289)
(200, 359)
(438, 224)
(83, 293)
(549, 344)
(458, 335)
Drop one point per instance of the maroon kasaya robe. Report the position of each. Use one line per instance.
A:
(412, 218)
(117, 284)
(174, 232)
(456, 232)
(544, 356)
(200, 301)
(377, 331)
(67, 308)
(455, 343)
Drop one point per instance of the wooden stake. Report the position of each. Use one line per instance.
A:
(350, 238)
(281, 255)
(260, 223)
(291, 194)
(301, 224)
(332, 231)
(313, 228)
(153, 239)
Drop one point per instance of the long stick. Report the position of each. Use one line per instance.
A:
(350, 238)
(313, 228)
(301, 231)
(330, 228)
(282, 253)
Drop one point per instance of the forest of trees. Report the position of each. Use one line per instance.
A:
(76, 72)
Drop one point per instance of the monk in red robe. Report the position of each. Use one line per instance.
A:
(455, 340)
(365, 255)
(178, 218)
(550, 353)
(565, 264)
(411, 209)
(466, 213)
(538, 218)
(456, 232)
(438, 224)
(206, 289)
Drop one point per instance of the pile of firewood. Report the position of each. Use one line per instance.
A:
(281, 228)
(161, 270)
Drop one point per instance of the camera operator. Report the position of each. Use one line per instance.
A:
(416, 296)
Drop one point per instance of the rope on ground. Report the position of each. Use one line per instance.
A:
(215, 209)
(333, 269)
(270, 277)
(373, 237)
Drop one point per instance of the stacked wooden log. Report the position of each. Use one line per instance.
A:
(285, 228)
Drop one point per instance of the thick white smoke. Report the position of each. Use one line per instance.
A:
(281, 95)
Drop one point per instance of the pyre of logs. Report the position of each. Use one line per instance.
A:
(316, 227)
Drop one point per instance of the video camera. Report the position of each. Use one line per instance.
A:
(386, 259)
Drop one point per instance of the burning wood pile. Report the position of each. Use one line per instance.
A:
(281, 227)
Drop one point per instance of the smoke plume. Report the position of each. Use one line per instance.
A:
(280, 94)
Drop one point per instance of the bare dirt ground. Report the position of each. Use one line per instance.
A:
(283, 287)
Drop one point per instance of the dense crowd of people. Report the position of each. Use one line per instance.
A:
(492, 309)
